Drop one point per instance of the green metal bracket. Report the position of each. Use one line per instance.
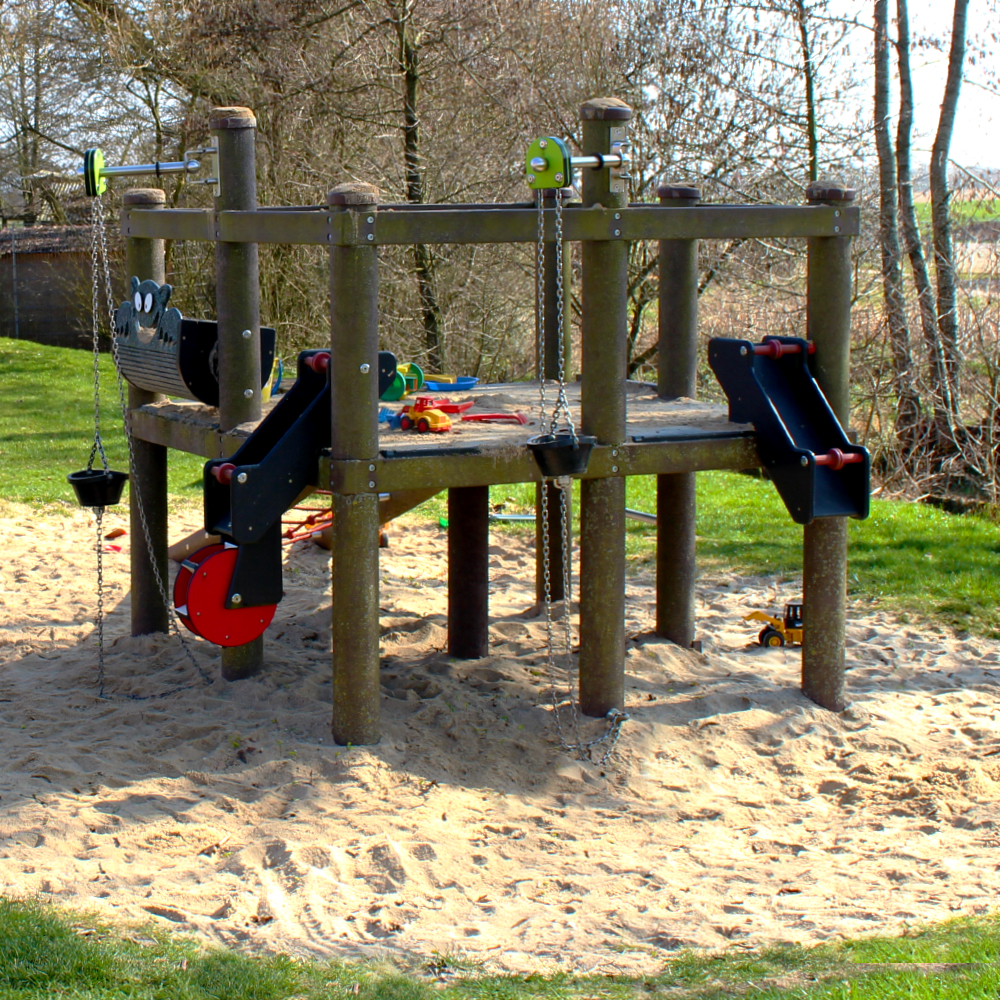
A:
(93, 163)
(547, 164)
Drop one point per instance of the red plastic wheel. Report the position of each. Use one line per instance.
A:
(405, 423)
(206, 603)
(188, 567)
(423, 425)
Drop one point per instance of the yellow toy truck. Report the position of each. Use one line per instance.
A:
(778, 631)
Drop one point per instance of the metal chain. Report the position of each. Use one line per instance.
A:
(99, 512)
(540, 303)
(616, 717)
(98, 445)
(100, 238)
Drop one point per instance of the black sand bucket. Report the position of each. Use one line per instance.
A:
(97, 488)
(559, 455)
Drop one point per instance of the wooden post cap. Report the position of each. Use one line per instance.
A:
(234, 117)
(353, 193)
(606, 109)
(678, 192)
(144, 196)
(829, 191)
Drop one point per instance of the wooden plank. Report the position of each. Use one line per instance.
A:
(502, 224)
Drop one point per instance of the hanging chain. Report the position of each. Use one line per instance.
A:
(100, 245)
(98, 446)
(616, 717)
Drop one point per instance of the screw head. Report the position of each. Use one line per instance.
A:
(618, 215)
(247, 334)
(543, 143)
(558, 178)
(371, 237)
(804, 460)
(614, 468)
(371, 468)
(370, 219)
(237, 599)
(614, 453)
(365, 369)
(836, 229)
(743, 351)
(241, 478)
(248, 393)
(618, 232)
(371, 484)
(531, 178)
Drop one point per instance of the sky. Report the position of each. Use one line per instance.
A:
(976, 141)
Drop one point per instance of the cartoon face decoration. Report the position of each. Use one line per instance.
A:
(150, 301)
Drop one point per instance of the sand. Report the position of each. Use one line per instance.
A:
(735, 813)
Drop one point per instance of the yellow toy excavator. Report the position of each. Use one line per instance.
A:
(778, 631)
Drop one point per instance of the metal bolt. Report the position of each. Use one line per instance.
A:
(328, 219)
(237, 599)
(618, 215)
(371, 468)
(614, 468)
(743, 351)
(247, 334)
(539, 164)
(618, 232)
(614, 453)
(558, 178)
(329, 237)
(365, 369)
(371, 484)
(370, 219)
(804, 460)
(371, 237)
(531, 178)
(248, 393)
(543, 143)
(836, 214)
(241, 478)
(836, 229)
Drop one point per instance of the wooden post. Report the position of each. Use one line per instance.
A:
(602, 501)
(148, 487)
(677, 366)
(468, 571)
(354, 399)
(237, 304)
(548, 368)
(824, 563)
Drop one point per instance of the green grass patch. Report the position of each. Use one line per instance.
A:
(907, 557)
(47, 423)
(961, 212)
(47, 952)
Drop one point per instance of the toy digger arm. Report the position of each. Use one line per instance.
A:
(759, 616)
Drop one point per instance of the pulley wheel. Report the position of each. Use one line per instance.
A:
(205, 599)
(184, 574)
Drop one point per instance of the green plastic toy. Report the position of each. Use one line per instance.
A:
(93, 163)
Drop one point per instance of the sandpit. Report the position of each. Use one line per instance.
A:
(734, 813)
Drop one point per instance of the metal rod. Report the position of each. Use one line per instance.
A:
(602, 501)
(598, 162)
(677, 376)
(354, 402)
(468, 571)
(145, 259)
(824, 563)
(237, 302)
(155, 168)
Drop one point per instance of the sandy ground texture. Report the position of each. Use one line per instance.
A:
(735, 812)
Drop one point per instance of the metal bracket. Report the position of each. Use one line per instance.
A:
(212, 152)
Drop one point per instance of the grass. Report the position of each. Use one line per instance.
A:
(48, 952)
(962, 212)
(907, 557)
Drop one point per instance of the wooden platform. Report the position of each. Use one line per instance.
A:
(679, 435)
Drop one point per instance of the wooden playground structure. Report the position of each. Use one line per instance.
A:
(640, 430)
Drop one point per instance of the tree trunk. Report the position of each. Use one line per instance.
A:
(809, 74)
(944, 257)
(423, 258)
(944, 412)
(908, 400)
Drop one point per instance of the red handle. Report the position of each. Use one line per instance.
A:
(224, 473)
(776, 349)
(836, 459)
(319, 362)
